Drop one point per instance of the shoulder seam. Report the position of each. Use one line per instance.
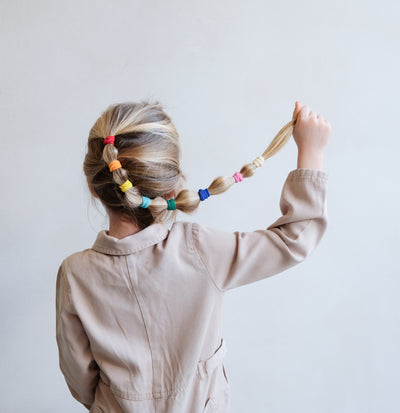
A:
(63, 276)
(64, 280)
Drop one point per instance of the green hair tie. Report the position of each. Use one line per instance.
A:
(171, 204)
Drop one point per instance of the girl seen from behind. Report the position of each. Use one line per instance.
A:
(139, 314)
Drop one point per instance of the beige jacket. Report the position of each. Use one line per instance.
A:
(139, 319)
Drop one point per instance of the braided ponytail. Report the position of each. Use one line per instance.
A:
(187, 201)
(133, 197)
(132, 163)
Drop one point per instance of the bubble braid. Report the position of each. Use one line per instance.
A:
(186, 201)
(146, 159)
(223, 183)
(120, 176)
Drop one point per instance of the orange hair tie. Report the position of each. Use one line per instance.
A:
(113, 165)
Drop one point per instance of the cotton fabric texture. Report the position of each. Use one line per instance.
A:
(138, 319)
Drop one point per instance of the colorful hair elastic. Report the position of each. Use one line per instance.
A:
(126, 185)
(109, 140)
(145, 202)
(238, 177)
(203, 194)
(113, 165)
(171, 204)
(258, 162)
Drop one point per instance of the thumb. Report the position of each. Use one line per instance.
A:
(296, 110)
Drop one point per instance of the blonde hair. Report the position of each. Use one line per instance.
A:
(147, 145)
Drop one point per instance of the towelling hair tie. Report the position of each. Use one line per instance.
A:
(126, 185)
(171, 204)
(145, 202)
(109, 140)
(238, 177)
(203, 194)
(258, 162)
(113, 165)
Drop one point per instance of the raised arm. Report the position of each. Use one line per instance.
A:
(238, 258)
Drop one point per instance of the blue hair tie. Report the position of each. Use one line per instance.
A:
(204, 194)
(145, 202)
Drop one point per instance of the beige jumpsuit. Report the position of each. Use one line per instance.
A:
(138, 319)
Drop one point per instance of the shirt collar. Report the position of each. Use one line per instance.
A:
(148, 236)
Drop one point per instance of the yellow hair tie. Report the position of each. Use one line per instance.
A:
(126, 185)
(114, 165)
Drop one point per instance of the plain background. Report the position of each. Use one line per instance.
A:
(320, 337)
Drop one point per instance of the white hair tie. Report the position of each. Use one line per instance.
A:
(258, 162)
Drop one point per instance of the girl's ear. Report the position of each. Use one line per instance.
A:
(92, 191)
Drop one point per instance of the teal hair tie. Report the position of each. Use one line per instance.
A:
(171, 204)
(145, 202)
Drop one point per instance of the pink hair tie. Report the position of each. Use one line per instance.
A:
(110, 139)
(238, 177)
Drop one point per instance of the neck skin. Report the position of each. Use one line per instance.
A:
(121, 227)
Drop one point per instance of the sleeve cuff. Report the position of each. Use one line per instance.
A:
(305, 174)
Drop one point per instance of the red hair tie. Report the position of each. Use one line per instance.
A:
(110, 139)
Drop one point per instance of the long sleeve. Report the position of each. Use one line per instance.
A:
(75, 357)
(237, 258)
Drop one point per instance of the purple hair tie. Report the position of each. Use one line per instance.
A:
(204, 194)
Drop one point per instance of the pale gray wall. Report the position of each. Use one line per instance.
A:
(321, 337)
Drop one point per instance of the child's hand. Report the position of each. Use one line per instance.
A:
(311, 131)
